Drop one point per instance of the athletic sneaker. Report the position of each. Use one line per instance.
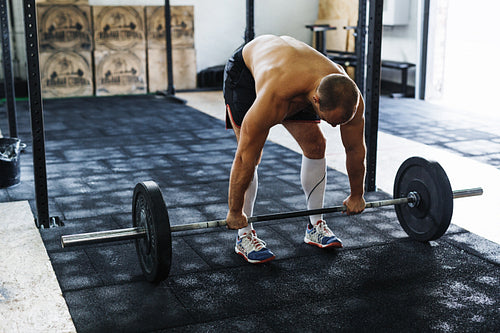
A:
(253, 249)
(321, 236)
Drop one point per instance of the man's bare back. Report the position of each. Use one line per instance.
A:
(288, 68)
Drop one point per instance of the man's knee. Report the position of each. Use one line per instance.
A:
(316, 148)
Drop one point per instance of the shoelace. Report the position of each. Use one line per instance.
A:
(258, 244)
(324, 228)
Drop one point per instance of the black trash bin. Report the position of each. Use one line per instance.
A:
(10, 165)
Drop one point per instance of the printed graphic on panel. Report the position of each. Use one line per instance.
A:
(119, 73)
(118, 28)
(182, 21)
(66, 74)
(64, 27)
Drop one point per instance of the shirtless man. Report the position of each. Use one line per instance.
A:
(280, 80)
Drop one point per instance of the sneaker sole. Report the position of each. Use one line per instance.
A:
(252, 261)
(337, 245)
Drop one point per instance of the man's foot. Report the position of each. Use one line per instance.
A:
(253, 249)
(321, 236)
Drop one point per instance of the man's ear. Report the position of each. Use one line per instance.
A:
(316, 100)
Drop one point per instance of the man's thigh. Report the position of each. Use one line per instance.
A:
(309, 137)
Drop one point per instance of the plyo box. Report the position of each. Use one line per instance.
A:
(120, 72)
(184, 69)
(120, 50)
(66, 74)
(64, 27)
(119, 28)
(183, 52)
(182, 24)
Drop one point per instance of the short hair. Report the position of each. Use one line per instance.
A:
(338, 90)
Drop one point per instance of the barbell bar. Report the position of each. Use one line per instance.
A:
(140, 232)
(423, 201)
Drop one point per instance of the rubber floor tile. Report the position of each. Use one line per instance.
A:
(134, 307)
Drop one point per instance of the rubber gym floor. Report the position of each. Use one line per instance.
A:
(99, 148)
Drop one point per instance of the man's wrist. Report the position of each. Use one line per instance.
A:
(357, 195)
(235, 211)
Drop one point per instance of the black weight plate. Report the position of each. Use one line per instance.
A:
(431, 217)
(150, 212)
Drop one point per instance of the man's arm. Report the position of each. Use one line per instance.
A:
(354, 143)
(253, 134)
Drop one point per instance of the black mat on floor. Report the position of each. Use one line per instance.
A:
(99, 148)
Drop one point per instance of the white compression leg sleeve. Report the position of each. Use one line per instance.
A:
(313, 179)
(250, 196)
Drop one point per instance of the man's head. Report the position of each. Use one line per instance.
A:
(337, 99)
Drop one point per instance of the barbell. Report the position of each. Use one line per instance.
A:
(422, 197)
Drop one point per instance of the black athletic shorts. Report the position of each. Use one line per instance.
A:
(239, 92)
